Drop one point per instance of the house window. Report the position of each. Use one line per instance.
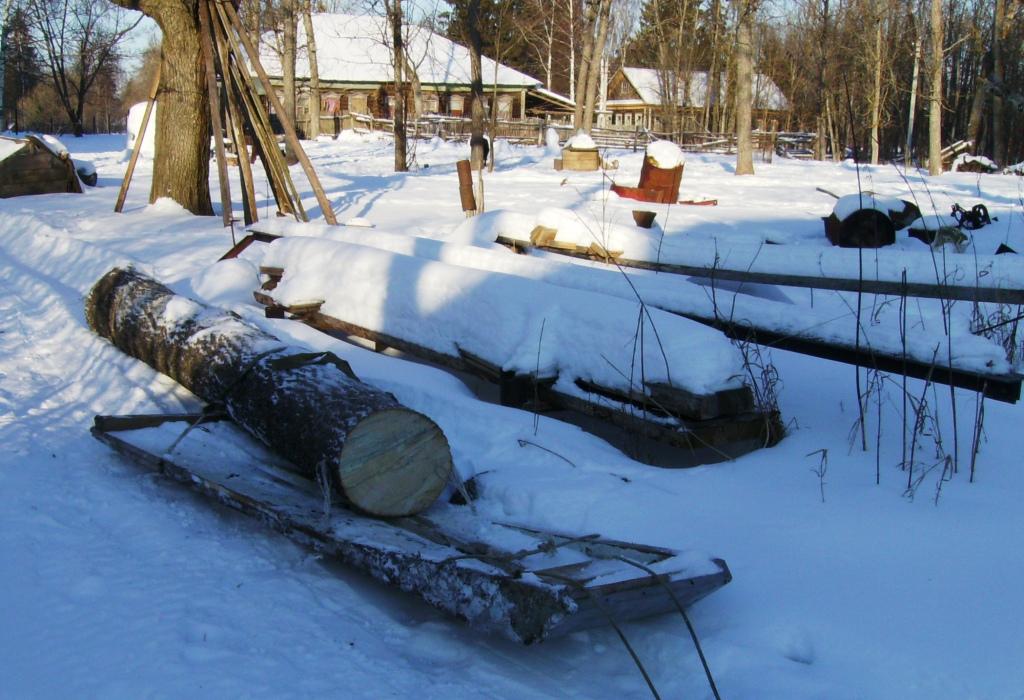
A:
(330, 104)
(505, 107)
(431, 105)
(357, 103)
(456, 104)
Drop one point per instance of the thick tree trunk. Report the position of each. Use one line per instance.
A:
(594, 71)
(744, 93)
(314, 74)
(182, 168)
(586, 59)
(935, 96)
(383, 458)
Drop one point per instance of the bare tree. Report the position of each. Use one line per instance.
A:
(935, 94)
(78, 40)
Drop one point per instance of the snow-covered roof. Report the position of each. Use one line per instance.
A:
(767, 94)
(10, 146)
(356, 49)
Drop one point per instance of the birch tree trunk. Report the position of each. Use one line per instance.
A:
(912, 109)
(876, 94)
(314, 73)
(744, 93)
(935, 96)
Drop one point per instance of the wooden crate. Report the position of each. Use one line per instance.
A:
(581, 159)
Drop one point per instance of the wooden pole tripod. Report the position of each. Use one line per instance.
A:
(241, 114)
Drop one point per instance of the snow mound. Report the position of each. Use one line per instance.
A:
(665, 154)
(484, 229)
(227, 283)
(968, 163)
(54, 144)
(551, 141)
(135, 126)
(581, 141)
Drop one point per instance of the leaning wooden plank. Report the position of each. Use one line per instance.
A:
(555, 584)
(382, 457)
(1000, 283)
(248, 240)
(137, 148)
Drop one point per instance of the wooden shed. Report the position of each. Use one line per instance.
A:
(29, 166)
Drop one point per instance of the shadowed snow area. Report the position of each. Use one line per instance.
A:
(118, 584)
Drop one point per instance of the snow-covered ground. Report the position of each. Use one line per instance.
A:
(117, 584)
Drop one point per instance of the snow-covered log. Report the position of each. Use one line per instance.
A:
(383, 458)
(577, 339)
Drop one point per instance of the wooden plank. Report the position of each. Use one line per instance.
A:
(289, 129)
(248, 240)
(213, 94)
(137, 148)
(285, 192)
(250, 214)
(994, 295)
(999, 387)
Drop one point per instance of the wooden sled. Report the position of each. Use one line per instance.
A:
(523, 584)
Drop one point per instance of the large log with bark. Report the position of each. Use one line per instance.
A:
(383, 458)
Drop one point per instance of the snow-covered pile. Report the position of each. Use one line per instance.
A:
(965, 161)
(581, 142)
(551, 141)
(135, 115)
(848, 204)
(665, 154)
(584, 230)
(523, 326)
(760, 305)
(9, 147)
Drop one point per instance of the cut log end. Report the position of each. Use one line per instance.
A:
(394, 463)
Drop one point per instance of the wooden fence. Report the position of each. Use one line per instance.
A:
(766, 143)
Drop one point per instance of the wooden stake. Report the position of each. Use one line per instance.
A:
(289, 130)
(137, 148)
(285, 192)
(249, 210)
(215, 116)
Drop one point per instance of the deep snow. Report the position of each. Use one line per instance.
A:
(118, 584)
